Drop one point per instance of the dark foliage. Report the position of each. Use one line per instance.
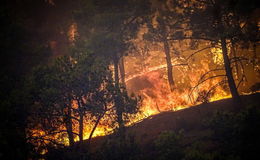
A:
(20, 51)
(116, 148)
(237, 134)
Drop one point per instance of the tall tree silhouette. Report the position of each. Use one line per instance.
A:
(164, 23)
(113, 25)
(218, 22)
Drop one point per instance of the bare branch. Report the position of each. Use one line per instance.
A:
(243, 77)
(208, 79)
(198, 52)
(236, 59)
(191, 38)
(95, 126)
(217, 69)
(215, 86)
(199, 83)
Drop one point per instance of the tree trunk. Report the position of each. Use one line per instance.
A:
(116, 74)
(254, 56)
(233, 51)
(95, 126)
(81, 120)
(69, 127)
(81, 126)
(169, 64)
(231, 82)
(117, 97)
(122, 70)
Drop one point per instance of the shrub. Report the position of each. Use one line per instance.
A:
(168, 146)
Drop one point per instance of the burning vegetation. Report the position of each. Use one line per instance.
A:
(113, 64)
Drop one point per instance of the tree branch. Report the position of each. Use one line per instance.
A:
(192, 38)
(199, 83)
(217, 69)
(198, 52)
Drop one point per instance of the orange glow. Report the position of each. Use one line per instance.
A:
(72, 33)
(150, 82)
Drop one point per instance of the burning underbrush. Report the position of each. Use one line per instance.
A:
(199, 79)
(157, 97)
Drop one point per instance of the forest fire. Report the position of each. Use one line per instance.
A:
(141, 76)
(191, 84)
(152, 85)
(121, 70)
(198, 73)
(202, 80)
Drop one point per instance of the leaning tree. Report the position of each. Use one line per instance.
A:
(219, 22)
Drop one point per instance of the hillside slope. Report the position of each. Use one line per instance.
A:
(192, 122)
